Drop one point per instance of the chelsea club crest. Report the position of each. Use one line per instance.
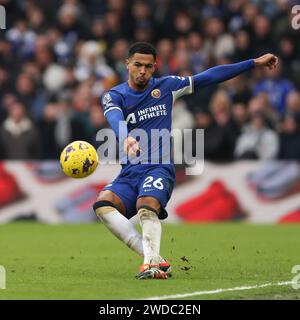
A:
(155, 93)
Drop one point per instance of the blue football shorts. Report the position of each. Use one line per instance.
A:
(144, 180)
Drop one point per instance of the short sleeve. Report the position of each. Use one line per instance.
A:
(111, 101)
(180, 86)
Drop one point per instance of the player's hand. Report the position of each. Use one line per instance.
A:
(267, 60)
(131, 147)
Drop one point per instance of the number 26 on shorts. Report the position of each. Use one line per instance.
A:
(149, 182)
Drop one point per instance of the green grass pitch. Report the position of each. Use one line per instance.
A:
(87, 262)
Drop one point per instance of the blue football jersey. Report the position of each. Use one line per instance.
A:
(149, 109)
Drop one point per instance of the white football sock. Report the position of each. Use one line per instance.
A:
(151, 235)
(121, 227)
(136, 220)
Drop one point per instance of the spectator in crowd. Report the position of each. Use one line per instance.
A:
(290, 138)
(25, 90)
(36, 19)
(98, 33)
(4, 81)
(204, 120)
(225, 125)
(47, 127)
(164, 12)
(257, 141)
(262, 36)
(260, 104)
(181, 56)
(43, 55)
(113, 28)
(243, 48)
(220, 130)
(72, 23)
(240, 115)
(276, 87)
(293, 104)
(238, 89)
(19, 137)
(22, 39)
(165, 62)
(118, 54)
(183, 24)
(289, 54)
(91, 62)
(141, 14)
(198, 55)
(29, 95)
(212, 8)
(221, 43)
(249, 12)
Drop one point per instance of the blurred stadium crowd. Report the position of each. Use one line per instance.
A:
(58, 57)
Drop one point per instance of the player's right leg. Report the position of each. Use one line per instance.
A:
(111, 211)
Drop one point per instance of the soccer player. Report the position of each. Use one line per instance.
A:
(141, 188)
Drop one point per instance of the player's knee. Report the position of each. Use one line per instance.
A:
(148, 202)
(102, 207)
(146, 212)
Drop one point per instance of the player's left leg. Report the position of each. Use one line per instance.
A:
(148, 209)
(154, 267)
(155, 189)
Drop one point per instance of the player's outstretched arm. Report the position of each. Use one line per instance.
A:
(227, 71)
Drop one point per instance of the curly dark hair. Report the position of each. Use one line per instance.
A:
(142, 47)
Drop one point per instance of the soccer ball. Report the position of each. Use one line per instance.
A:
(79, 159)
